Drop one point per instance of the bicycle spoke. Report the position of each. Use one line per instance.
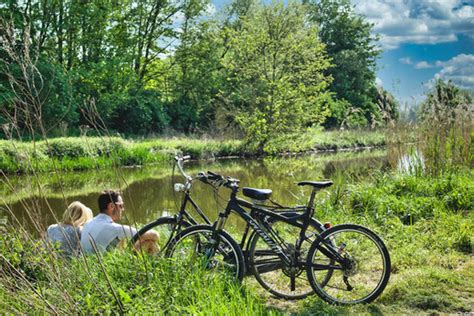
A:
(362, 272)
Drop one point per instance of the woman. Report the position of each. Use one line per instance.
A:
(68, 233)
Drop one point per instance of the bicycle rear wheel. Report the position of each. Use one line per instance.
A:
(361, 275)
(167, 228)
(196, 247)
(270, 271)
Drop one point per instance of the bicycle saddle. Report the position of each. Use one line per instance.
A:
(316, 184)
(257, 194)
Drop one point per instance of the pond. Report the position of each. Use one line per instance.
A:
(37, 201)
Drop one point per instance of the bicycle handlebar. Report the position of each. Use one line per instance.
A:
(218, 180)
(179, 161)
(211, 178)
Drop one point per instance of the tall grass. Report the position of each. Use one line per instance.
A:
(34, 280)
(85, 153)
(446, 128)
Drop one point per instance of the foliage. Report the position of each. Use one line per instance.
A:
(446, 126)
(147, 67)
(275, 67)
(195, 76)
(412, 198)
(83, 153)
(353, 51)
(387, 105)
(98, 152)
(314, 139)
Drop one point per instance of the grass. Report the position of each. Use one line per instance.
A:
(86, 153)
(118, 282)
(431, 253)
(317, 140)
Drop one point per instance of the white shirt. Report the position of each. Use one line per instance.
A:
(104, 233)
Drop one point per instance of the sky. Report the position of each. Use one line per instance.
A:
(422, 40)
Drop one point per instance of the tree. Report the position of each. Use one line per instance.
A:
(353, 52)
(275, 72)
(194, 75)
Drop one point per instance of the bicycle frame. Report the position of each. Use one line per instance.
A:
(270, 237)
(183, 214)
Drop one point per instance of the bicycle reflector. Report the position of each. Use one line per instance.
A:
(327, 225)
(178, 187)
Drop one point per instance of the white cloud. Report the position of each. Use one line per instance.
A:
(423, 65)
(418, 65)
(405, 61)
(418, 21)
(459, 69)
(378, 81)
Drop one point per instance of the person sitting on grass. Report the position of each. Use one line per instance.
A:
(102, 233)
(68, 233)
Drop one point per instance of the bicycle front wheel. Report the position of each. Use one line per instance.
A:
(167, 228)
(359, 276)
(200, 246)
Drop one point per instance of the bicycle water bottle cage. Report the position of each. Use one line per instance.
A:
(257, 194)
(316, 184)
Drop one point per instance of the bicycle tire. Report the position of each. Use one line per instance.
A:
(270, 280)
(228, 255)
(353, 243)
(167, 230)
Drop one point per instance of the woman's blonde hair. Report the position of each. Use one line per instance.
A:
(77, 214)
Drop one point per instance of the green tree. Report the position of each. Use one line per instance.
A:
(353, 51)
(275, 72)
(195, 75)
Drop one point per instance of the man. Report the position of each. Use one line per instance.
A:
(103, 233)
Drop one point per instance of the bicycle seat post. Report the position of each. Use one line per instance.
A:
(311, 201)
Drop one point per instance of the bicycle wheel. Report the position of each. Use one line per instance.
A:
(195, 246)
(362, 274)
(167, 228)
(283, 281)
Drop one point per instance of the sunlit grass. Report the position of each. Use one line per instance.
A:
(86, 153)
(431, 256)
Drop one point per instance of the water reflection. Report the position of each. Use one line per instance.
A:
(148, 192)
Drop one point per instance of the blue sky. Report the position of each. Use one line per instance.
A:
(422, 40)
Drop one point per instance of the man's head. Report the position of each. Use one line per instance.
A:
(111, 203)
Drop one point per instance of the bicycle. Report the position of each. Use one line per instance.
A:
(169, 227)
(334, 264)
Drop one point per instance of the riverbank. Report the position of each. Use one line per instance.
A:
(86, 153)
(70, 185)
(426, 223)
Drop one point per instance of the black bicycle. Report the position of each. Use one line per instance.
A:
(169, 226)
(258, 258)
(345, 264)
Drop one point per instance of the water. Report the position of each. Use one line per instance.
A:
(37, 202)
